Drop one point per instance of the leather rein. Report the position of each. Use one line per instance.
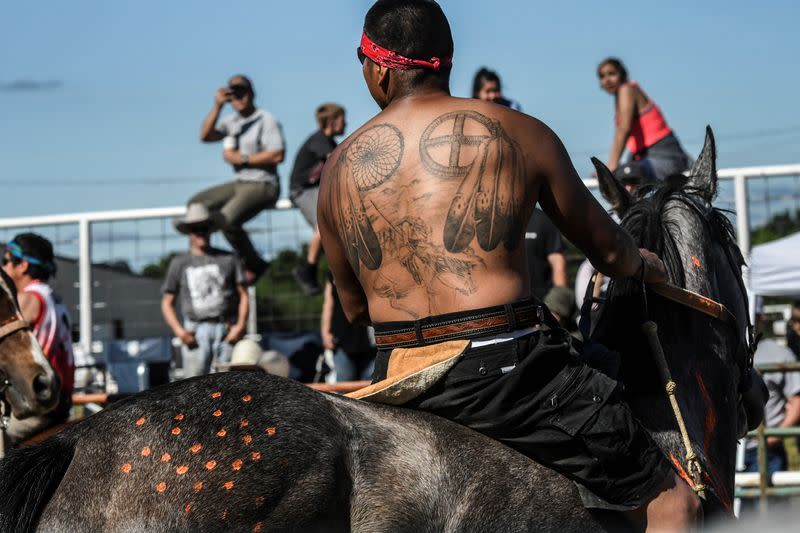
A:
(696, 301)
(12, 325)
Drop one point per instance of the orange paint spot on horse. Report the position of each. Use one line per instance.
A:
(271, 431)
(140, 422)
(166, 458)
(179, 417)
(217, 413)
(146, 451)
(176, 431)
(196, 447)
(246, 398)
(237, 464)
(216, 394)
(256, 456)
(696, 262)
(187, 507)
(181, 470)
(225, 514)
(161, 487)
(211, 465)
(243, 423)
(126, 468)
(198, 486)
(257, 527)
(222, 432)
(259, 501)
(228, 485)
(247, 439)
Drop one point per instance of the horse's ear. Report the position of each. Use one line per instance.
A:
(611, 189)
(703, 176)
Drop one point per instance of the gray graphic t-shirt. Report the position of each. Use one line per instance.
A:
(205, 285)
(257, 133)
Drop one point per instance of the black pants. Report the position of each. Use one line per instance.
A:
(535, 395)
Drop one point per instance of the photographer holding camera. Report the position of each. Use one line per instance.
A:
(253, 145)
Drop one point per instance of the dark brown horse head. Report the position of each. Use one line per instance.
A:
(26, 378)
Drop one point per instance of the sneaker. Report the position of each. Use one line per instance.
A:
(308, 282)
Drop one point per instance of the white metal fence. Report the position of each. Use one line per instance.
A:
(753, 194)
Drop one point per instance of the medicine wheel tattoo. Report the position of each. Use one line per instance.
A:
(489, 201)
(448, 131)
(375, 155)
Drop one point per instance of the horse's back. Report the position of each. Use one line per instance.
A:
(227, 452)
(247, 451)
(415, 471)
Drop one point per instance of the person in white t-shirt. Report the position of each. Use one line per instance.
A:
(253, 145)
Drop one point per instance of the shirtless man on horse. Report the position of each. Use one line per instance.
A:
(422, 212)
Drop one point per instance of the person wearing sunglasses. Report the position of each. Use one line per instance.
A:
(253, 145)
(208, 285)
(28, 260)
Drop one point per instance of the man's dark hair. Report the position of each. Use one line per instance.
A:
(39, 248)
(483, 76)
(617, 64)
(416, 29)
(244, 80)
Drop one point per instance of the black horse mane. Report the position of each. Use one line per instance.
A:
(646, 223)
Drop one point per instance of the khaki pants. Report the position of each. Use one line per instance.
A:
(239, 201)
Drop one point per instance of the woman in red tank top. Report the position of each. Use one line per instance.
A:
(641, 128)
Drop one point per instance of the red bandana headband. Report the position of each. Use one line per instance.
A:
(392, 60)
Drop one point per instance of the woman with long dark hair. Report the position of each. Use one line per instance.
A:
(655, 152)
(486, 86)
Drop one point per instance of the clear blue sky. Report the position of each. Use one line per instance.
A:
(101, 101)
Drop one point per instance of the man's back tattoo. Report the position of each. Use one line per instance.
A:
(387, 218)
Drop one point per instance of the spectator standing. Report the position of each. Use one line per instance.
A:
(486, 86)
(547, 264)
(783, 404)
(353, 346)
(655, 152)
(305, 185)
(209, 285)
(253, 145)
(29, 261)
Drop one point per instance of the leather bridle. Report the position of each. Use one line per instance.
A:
(12, 325)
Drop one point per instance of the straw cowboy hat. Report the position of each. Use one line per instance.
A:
(198, 214)
(248, 353)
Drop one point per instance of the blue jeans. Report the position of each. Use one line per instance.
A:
(776, 460)
(353, 367)
(211, 346)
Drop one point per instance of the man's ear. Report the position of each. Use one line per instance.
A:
(384, 77)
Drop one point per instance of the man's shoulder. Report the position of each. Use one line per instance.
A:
(265, 116)
(315, 140)
(220, 255)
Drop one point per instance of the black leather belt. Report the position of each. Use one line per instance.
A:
(461, 325)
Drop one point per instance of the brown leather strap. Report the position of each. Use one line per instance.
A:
(12, 326)
(696, 301)
(468, 324)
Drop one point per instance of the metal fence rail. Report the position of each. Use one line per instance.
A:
(761, 485)
(98, 233)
